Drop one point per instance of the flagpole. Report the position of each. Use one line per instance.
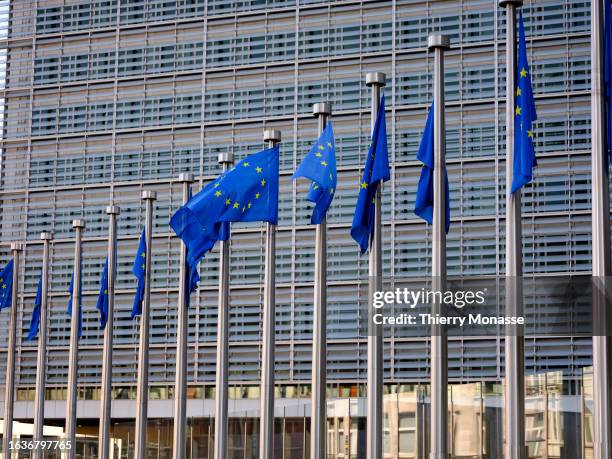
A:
(107, 351)
(180, 387)
(41, 364)
(266, 405)
(376, 80)
(514, 389)
(602, 379)
(438, 434)
(142, 386)
(9, 400)
(71, 401)
(318, 416)
(221, 397)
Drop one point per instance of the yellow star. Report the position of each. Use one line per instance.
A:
(329, 144)
(331, 191)
(3, 285)
(243, 209)
(523, 72)
(373, 199)
(530, 134)
(246, 164)
(218, 193)
(228, 201)
(106, 291)
(143, 255)
(263, 182)
(249, 205)
(318, 155)
(331, 177)
(236, 205)
(315, 186)
(142, 266)
(259, 170)
(364, 185)
(518, 110)
(324, 163)
(257, 195)
(216, 184)
(321, 147)
(518, 91)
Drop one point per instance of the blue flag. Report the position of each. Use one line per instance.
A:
(376, 170)
(138, 269)
(35, 319)
(525, 115)
(247, 192)
(319, 165)
(69, 311)
(102, 304)
(425, 190)
(6, 285)
(194, 276)
(608, 77)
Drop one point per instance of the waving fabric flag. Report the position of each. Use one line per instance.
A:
(425, 190)
(319, 165)
(525, 115)
(248, 192)
(69, 311)
(194, 275)
(102, 304)
(138, 269)
(376, 170)
(35, 319)
(6, 285)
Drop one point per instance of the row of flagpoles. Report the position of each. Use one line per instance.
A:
(248, 191)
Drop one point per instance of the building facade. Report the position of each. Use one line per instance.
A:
(106, 98)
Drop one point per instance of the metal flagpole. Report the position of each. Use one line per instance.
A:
(71, 401)
(514, 389)
(41, 364)
(180, 386)
(266, 404)
(318, 416)
(107, 351)
(602, 379)
(142, 387)
(9, 400)
(439, 351)
(221, 398)
(376, 80)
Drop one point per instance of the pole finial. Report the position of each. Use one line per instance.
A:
(148, 194)
(376, 78)
(113, 210)
(271, 135)
(46, 236)
(226, 157)
(438, 40)
(17, 246)
(186, 177)
(78, 223)
(322, 108)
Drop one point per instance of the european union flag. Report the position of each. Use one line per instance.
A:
(138, 269)
(608, 76)
(70, 290)
(35, 319)
(319, 165)
(376, 170)
(6, 285)
(102, 304)
(525, 115)
(245, 193)
(194, 276)
(425, 190)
